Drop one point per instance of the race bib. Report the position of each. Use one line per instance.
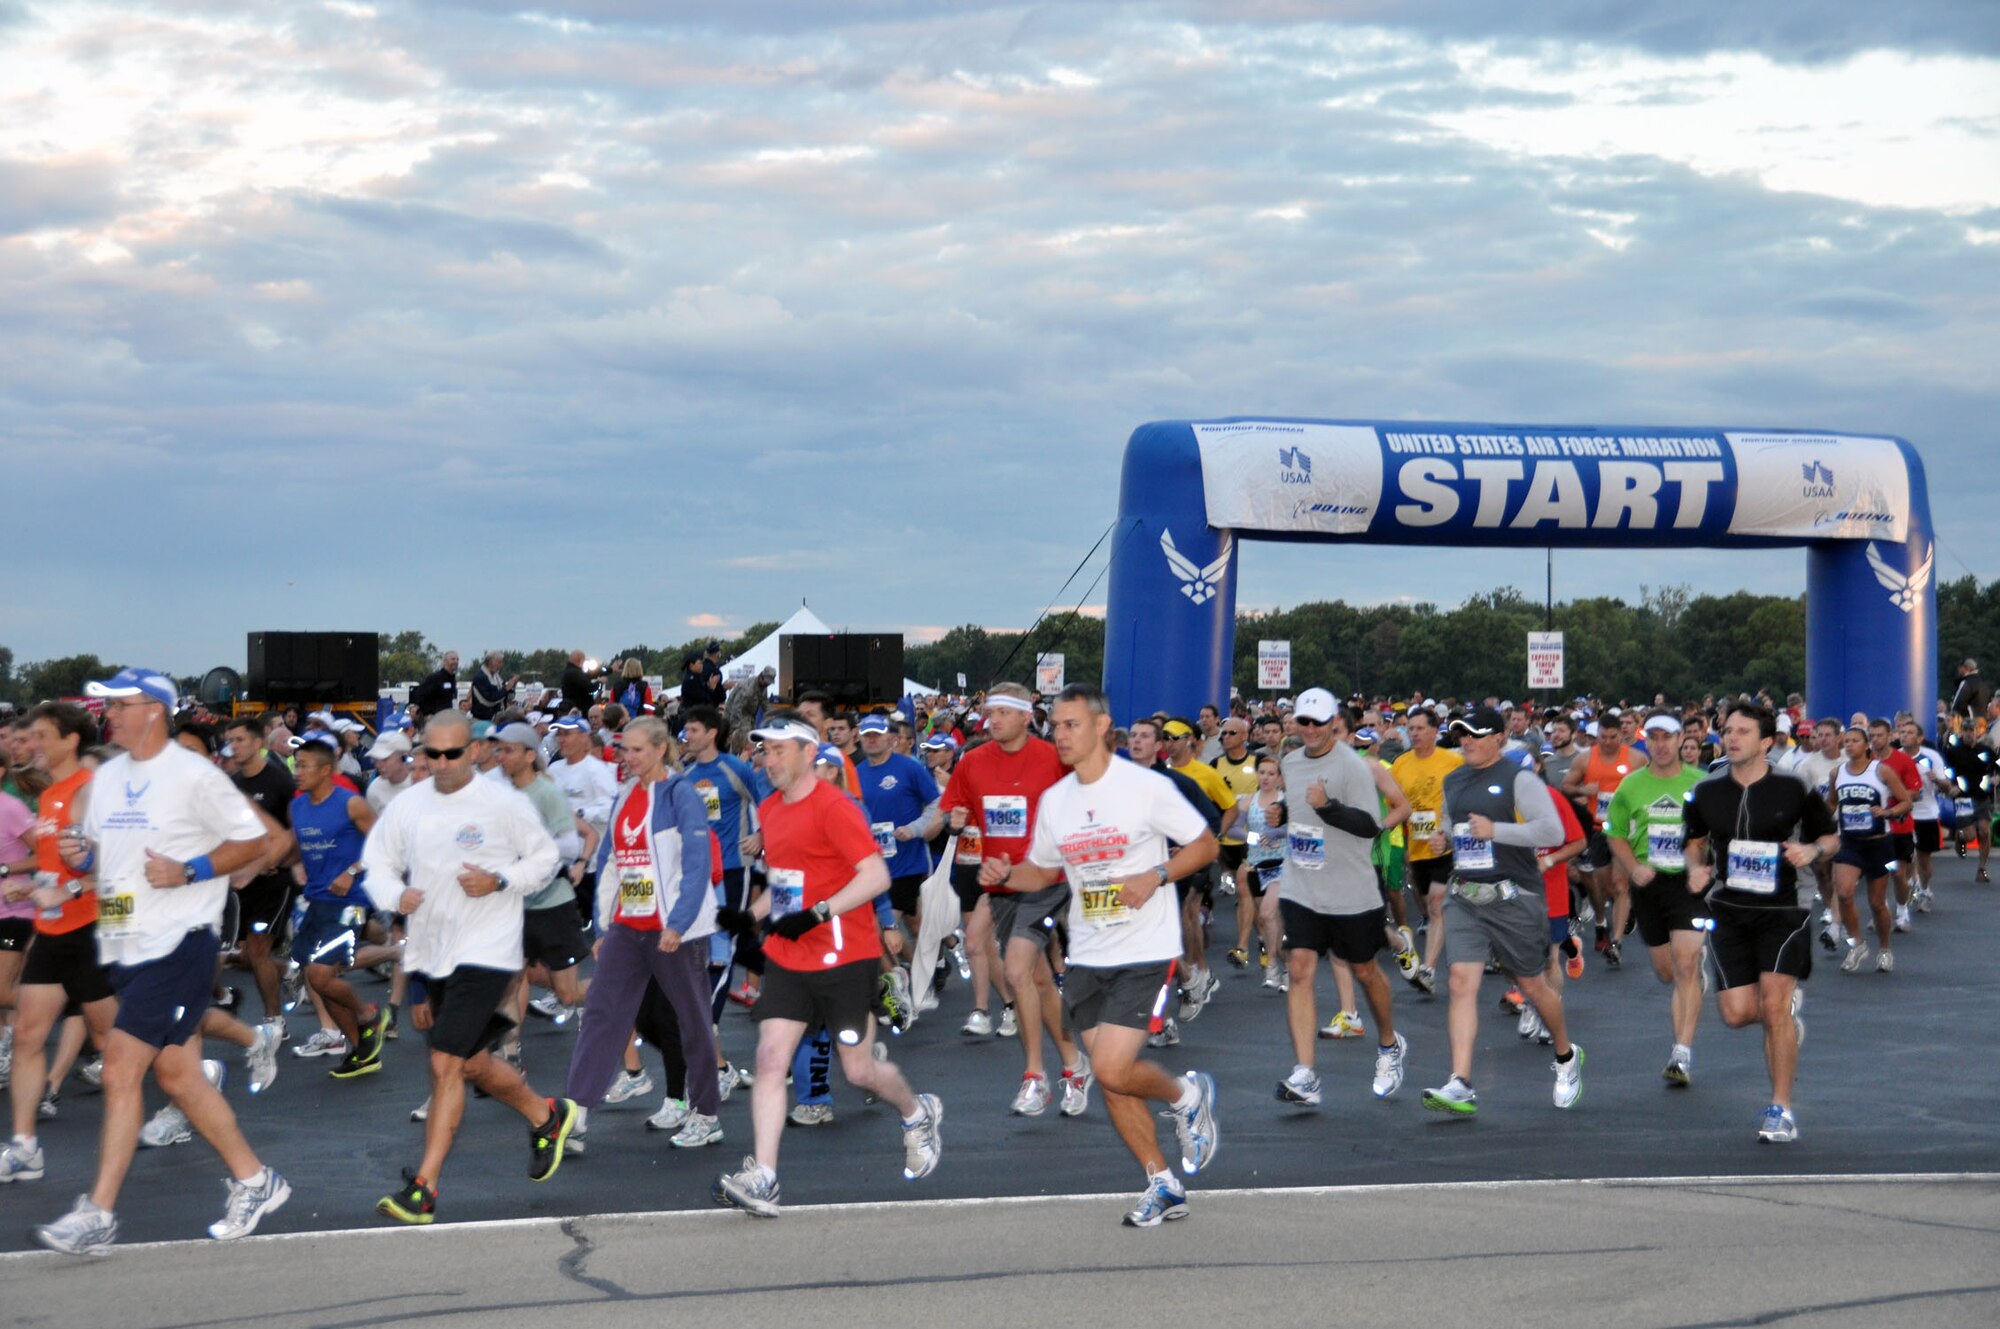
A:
(1857, 818)
(711, 799)
(788, 890)
(1603, 806)
(1753, 866)
(1103, 897)
(117, 916)
(637, 897)
(1307, 845)
(1663, 848)
(1469, 852)
(1006, 816)
(885, 837)
(1423, 825)
(967, 854)
(1966, 810)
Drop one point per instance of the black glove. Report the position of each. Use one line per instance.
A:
(739, 923)
(795, 924)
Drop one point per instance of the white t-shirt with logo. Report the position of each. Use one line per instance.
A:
(1116, 826)
(1930, 764)
(181, 807)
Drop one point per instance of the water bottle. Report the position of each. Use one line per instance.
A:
(51, 881)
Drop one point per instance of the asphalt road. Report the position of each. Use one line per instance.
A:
(1898, 1076)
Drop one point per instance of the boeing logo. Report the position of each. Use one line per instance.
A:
(1819, 480)
(1295, 467)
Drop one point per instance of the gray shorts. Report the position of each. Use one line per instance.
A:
(1514, 933)
(1132, 997)
(1029, 914)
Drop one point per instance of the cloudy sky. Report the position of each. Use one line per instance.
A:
(580, 325)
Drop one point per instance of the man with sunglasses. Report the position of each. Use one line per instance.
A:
(461, 855)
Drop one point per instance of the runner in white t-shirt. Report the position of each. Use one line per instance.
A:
(1106, 825)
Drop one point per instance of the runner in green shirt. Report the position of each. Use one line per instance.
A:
(1644, 828)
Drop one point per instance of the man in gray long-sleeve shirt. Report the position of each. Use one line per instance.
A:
(1496, 814)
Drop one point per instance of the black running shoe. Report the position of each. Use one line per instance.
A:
(546, 1141)
(371, 1035)
(415, 1202)
(352, 1067)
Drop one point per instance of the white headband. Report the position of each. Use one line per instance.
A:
(1007, 703)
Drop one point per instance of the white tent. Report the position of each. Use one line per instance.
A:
(764, 655)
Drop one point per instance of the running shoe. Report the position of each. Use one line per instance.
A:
(1569, 1077)
(1162, 1201)
(1923, 896)
(1169, 1036)
(1776, 1126)
(1526, 1023)
(1510, 1001)
(1195, 1125)
(750, 1188)
(1857, 955)
(294, 984)
(91, 1072)
(547, 1006)
(1076, 1090)
(1798, 1015)
(628, 1085)
(1614, 957)
(578, 1142)
(1826, 939)
(673, 1115)
(421, 1112)
(745, 995)
(1010, 1024)
(352, 1067)
(1573, 966)
(1902, 921)
(249, 1201)
(1277, 977)
(18, 1162)
(978, 1024)
(1033, 1098)
(1678, 1072)
(415, 1202)
(1344, 1024)
(1885, 963)
(323, 1043)
(169, 1126)
(50, 1105)
(893, 1006)
(1389, 1067)
(923, 1142)
(1425, 980)
(726, 1081)
(959, 959)
(1239, 957)
(370, 1037)
(84, 1230)
(1456, 1097)
(389, 1029)
(697, 1132)
(811, 1114)
(545, 1142)
(262, 1057)
(1301, 1086)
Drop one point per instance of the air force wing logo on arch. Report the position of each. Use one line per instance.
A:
(1903, 591)
(1197, 584)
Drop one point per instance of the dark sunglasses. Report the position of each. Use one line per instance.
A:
(1304, 723)
(443, 754)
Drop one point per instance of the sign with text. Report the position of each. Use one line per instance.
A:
(1545, 660)
(1049, 674)
(1274, 665)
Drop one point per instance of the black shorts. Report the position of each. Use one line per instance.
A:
(1666, 906)
(1751, 941)
(965, 881)
(67, 960)
(1029, 914)
(1261, 877)
(1354, 938)
(161, 1002)
(841, 998)
(906, 894)
(1232, 855)
(14, 934)
(1131, 997)
(1929, 836)
(1906, 847)
(466, 1018)
(263, 905)
(1596, 855)
(1428, 872)
(1875, 855)
(553, 937)
(735, 888)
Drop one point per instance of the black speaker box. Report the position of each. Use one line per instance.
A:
(313, 667)
(854, 669)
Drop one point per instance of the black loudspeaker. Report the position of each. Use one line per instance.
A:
(313, 667)
(852, 669)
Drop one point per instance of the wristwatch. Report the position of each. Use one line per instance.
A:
(187, 873)
(6, 871)
(1162, 870)
(821, 912)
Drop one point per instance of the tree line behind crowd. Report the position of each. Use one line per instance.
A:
(1671, 642)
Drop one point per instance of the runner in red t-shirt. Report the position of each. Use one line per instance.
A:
(1883, 748)
(822, 959)
(996, 787)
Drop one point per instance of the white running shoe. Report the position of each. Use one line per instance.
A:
(1857, 955)
(19, 1162)
(1301, 1086)
(1902, 923)
(812, 1114)
(1389, 1067)
(979, 1024)
(923, 1140)
(262, 1059)
(697, 1132)
(673, 1115)
(1010, 1024)
(169, 1126)
(627, 1086)
(1344, 1024)
(1885, 963)
(248, 1203)
(1033, 1099)
(1569, 1077)
(84, 1230)
(323, 1043)
(1076, 1090)
(726, 1081)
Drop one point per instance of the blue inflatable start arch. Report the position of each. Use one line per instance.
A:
(1191, 489)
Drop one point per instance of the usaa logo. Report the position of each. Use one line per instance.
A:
(1294, 467)
(1819, 480)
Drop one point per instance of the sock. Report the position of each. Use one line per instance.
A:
(1684, 1053)
(1301, 1070)
(27, 1142)
(256, 1180)
(1188, 1097)
(1564, 1057)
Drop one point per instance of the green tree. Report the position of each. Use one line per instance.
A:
(46, 680)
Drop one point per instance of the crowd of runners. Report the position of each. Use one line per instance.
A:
(627, 865)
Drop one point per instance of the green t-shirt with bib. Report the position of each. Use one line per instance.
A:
(1647, 812)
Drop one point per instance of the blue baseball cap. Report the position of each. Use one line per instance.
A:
(136, 682)
(873, 724)
(482, 729)
(1366, 737)
(939, 739)
(576, 722)
(829, 755)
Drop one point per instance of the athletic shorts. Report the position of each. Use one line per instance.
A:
(1200, 882)
(965, 883)
(1428, 872)
(841, 998)
(1513, 934)
(1929, 836)
(1232, 855)
(1596, 855)
(1354, 938)
(1558, 929)
(1750, 941)
(67, 960)
(1664, 907)
(14, 934)
(906, 893)
(466, 1018)
(161, 1002)
(1875, 856)
(1029, 914)
(1906, 846)
(1129, 997)
(330, 933)
(1261, 877)
(553, 937)
(263, 905)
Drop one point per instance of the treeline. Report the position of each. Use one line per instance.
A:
(1671, 641)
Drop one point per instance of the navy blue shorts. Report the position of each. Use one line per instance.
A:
(330, 932)
(1874, 855)
(161, 1002)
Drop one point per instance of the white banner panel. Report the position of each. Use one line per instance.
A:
(1049, 674)
(1545, 660)
(1271, 476)
(1816, 487)
(1274, 665)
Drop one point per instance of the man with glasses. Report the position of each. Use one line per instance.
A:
(161, 834)
(461, 855)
